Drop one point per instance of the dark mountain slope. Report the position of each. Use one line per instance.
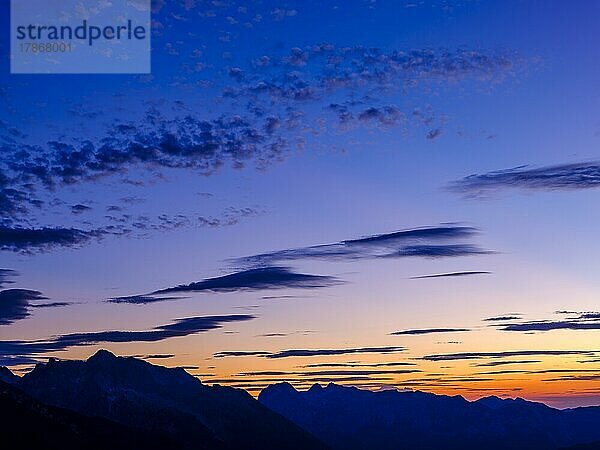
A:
(136, 393)
(350, 419)
(592, 446)
(30, 424)
(7, 376)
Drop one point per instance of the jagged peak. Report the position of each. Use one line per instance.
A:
(280, 387)
(102, 355)
(315, 387)
(7, 375)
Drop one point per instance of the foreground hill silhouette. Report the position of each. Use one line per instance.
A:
(138, 394)
(347, 418)
(30, 424)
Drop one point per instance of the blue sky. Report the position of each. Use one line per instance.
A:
(330, 121)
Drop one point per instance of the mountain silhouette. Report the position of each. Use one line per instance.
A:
(138, 394)
(110, 402)
(7, 376)
(591, 446)
(348, 418)
(28, 423)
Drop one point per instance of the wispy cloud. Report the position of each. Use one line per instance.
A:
(6, 276)
(506, 354)
(589, 320)
(296, 353)
(451, 274)
(227, 354)
(508, 362)
(28, 240)
(15, 304)
(543, 325)
(350, 364)
(419, 331)
(431, 242)
(142, 299)
(584, 175)
(503, 318)
(178, 328)
(330, 373)
(256, 279)
(264, 278)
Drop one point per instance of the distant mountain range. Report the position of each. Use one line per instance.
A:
(347, 418)
(110, 402)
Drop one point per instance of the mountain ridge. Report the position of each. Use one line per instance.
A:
(137, 393)
(132, 394)
(348, 418)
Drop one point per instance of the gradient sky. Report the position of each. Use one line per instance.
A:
(284, 126)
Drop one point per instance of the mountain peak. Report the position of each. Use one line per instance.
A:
(138, 394)
(7, 376)
(284, 386)
(102, 355)
(315, 388)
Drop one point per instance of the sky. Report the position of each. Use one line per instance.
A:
(375, 193)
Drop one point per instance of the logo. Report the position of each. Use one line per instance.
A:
(80, 36)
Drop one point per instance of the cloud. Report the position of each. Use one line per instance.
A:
(587, 320)
(330, 352)
(386, 116)
(312, 352)
(264, 278)
(255, 279)
(595, 377)
(227, 354)
(6, 276)
(271, 117)
(187, 142)
(28, 240)
(141, 299)
(50, 305)
(314, 72)
(533, 372)
(432, 242)
(79, 208)
(178, 328)
(434, 134)
(590, 315)
(336, 373)
(357, 372)
(451, 274)
(438, 251)
(543, 325)
(390, 364)
(15, 304)
(503, 318)
(44, 239)
(505, 363)
(158, 356)
(507, 354)
(429, 331)
(564, 177)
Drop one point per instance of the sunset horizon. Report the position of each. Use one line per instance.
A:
(379, 194)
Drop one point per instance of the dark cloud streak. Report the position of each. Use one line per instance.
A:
(451, 274)
(431, 242)
(564, 177)
(429, 331)
(178, 328)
